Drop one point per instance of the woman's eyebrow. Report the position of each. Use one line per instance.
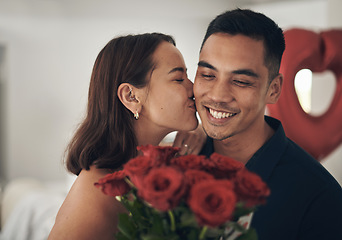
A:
(177, 69)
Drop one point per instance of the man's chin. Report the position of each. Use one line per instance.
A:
(216, 135)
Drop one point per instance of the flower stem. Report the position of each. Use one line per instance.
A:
(172, 219)
(202, 233)
(129, 182)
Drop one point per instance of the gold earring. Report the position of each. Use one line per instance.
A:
(136, 115)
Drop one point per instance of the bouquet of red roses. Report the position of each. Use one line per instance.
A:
(184, 197)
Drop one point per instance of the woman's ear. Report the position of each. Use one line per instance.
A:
(128, 99)
(274, 89)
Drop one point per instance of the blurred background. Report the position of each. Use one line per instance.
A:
(47, 50)
(48, 47)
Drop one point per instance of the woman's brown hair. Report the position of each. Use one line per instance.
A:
(106, 136)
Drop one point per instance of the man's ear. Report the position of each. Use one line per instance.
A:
(274, 89)
(126, 95)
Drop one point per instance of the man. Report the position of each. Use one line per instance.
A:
(238, 74)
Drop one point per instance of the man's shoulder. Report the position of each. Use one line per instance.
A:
(296, 160)
(307, 169)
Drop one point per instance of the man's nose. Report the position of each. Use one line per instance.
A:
(221, 92)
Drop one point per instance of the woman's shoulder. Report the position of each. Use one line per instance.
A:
(83, 190)
(86, 212)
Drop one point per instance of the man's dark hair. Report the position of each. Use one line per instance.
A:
(254, 25)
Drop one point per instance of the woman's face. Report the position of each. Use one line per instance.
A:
(168, 103)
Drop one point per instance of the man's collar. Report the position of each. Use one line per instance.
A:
(266, 158)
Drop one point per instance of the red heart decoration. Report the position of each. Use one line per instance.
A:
(318, 135)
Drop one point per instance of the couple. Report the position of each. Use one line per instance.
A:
(139, 92)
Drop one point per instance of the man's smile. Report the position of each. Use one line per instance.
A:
(220, 114)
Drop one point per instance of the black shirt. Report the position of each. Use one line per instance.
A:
(305, 201)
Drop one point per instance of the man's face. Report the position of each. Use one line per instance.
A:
(231, 86)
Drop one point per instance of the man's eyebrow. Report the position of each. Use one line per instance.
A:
(246, 72)
(206, 65)
(177, 69)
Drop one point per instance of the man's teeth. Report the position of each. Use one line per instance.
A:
(219, 115)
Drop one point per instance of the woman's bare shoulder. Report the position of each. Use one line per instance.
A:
(87, 213)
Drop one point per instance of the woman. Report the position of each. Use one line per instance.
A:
(139, 92)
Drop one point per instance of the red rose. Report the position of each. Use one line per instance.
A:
(139, 165)
(189, 162)
(250, 188)
(113, 184)
(159, 153)
(224, 167)
(193, 176)
(163, 188)
(212, 202)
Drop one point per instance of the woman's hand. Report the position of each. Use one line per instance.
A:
(190, 142)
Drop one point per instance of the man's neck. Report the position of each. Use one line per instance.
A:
(242, 148)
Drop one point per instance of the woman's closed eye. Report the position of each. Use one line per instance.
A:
(179, 80)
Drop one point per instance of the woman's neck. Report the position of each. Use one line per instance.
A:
(147, 134)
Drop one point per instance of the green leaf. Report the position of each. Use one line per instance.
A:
(126, 226)
(166, 227)
(153, 237)
(192, 234)
(188, 219)
(157, 224)
(127, 203)
(138, 214)
(250, 234)
(121, 236)
(241, 210)
(214, 233)
(236, 226)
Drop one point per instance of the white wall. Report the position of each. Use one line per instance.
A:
(50, 50)
(50, 47)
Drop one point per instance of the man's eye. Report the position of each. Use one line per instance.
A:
(179, 80)
(242, 83)
(208, 76)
